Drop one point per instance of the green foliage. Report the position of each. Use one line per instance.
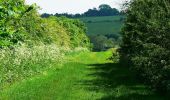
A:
(76, 30)
(45, 30)
(84, 76)
(23, 62)
(102, 10)
(56, 33)
(10, 13)
(101, 42)
(30, 44)
(146, 41)
(104, 31)
(22, 23)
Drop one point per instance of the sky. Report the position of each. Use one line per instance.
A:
(71, 6)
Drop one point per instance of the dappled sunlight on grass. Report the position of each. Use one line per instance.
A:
(117, 83)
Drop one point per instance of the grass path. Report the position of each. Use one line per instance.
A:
(85, 76)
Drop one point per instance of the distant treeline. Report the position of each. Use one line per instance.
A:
(102, 10)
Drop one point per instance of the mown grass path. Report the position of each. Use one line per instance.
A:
(84, 76)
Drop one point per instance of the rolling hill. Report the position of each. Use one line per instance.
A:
(103, 25)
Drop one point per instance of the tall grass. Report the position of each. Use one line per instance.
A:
(21, 62)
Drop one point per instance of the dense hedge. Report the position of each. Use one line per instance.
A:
(10, 13)
(29, 44)
(21, 23)
(75, 30)
(146, 41)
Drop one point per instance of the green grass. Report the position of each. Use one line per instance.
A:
(103, 25)
(83, 76)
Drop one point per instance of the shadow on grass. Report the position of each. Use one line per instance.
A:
(117, 83)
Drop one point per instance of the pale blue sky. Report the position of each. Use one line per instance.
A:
(71, 6)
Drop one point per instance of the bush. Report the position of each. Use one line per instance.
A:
(20, 23)
(10, 12)
(22, 62)
(45, 40)
(103, 42)
(146, 41)
(76, 30)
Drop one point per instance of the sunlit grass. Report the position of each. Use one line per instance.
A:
(84, 76)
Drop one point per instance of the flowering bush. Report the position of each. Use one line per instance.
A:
(22, 62)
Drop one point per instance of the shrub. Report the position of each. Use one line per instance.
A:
(22, 62)
(76, 30)
(11, 11)
(146, 41)
(20, 23)
(45, 40)
(102, 42)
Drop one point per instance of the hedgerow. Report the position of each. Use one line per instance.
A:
(146, 41)
(30, 44)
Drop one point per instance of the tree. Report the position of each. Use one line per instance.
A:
(92, 12)
(46, 15)
(104, 7)
(102, 42)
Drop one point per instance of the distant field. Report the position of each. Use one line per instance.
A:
(103, 25)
